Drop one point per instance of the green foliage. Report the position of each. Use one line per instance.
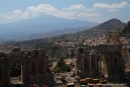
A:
(15, 69)
(60, 62)
(65, 68)
(61, 66)
(50, 61)
(57, 70)
(126, 30)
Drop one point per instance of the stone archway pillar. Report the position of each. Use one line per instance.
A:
(96, 62)
(8, 72)
(83, 63)
(90, 62)
(100, 64)
(90, 68)
(22, 68)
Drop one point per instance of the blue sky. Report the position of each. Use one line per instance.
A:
(89, 10)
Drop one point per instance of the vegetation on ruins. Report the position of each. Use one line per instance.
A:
(61, 66)
(15, 69)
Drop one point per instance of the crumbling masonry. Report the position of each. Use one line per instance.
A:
(34, 66)
(104, 59)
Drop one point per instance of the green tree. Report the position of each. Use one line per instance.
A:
(15, 69)
(61, 66)
(57, 70)
(60, 62)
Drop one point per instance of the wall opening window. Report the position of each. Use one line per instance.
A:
(85, 64)
(129, 49)
(15, 72)
(0, 71)
(15, 68)
(33, 68)
(108, 40)
(115, 61)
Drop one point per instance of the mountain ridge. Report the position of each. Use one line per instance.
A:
(52, 33)
(97, 30)
(40, 24)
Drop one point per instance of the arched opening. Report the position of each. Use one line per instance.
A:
(92, 64)
(36, 53)
(0, 72)
(129, 50)
(15, 69)
(85, 64)
(15, 72)
(40, 66)
(115, 62)
(33, 68)
(108, 40)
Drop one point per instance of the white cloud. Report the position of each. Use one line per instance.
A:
(46, 8)
(77, 11)
(113, 6)
(75, 7)
(112, 10)
(73, 12)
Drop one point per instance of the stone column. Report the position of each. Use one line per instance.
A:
(83, 63)
(90, 68)
(96, 62)
(37, 65)
(89, 62)
(8, 72)
(100, 64)
(22, 69)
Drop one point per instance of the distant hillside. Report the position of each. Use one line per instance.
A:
(23, 29)
(126, 30)
(112, 24)
(52, 33)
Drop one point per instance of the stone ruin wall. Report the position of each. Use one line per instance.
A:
(34, 66)
(126, 57)
(111, 55)
(111, 51)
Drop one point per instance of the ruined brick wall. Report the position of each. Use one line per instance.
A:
(126, 57)
(34, 66)
(112, 38)
(110, 53)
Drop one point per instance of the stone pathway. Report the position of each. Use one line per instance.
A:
(15, 80)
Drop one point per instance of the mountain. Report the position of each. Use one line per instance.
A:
(102, 28)
(52, 33)
(110, 25)
(126, 30)
(42, 24)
